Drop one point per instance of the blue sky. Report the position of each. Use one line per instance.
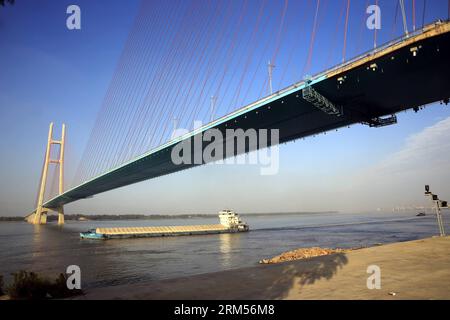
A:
(49, 73)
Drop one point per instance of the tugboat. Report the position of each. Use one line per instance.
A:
(421, 214)
(91, 234)
(231, 219)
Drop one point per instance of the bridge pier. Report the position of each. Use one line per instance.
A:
(61, 216)
(32, 217)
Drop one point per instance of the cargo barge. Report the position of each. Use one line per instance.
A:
(230, 222)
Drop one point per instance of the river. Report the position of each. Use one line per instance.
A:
(49, 249)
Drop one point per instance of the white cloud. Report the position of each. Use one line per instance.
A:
(399, 179)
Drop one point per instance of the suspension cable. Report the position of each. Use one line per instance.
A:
(375, 32)
(405, 25)
(345, 32)
(311, 43)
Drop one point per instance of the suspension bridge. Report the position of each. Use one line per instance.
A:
(406, 73)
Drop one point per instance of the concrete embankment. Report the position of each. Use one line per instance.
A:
(417, 269)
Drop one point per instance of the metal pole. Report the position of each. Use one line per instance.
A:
(405, 25)
(213, 107)
(435, 201)
(439, 218)
(175, 124)
(270, 67)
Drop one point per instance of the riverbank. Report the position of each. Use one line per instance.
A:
(417, 269)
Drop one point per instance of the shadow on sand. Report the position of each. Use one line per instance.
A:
(295, 275)
(274, 281)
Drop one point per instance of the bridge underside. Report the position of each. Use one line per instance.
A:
(410, 74)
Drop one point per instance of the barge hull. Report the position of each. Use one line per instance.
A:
(163, 231)
(168, 234)
(229, 223)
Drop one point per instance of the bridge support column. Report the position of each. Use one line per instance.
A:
(43, 217)
(61, 216)
(61, 173)
(40, 216)
(42, 220)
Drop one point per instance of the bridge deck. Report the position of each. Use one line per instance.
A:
(399, 81)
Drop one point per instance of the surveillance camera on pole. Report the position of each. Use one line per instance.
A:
(438, 204)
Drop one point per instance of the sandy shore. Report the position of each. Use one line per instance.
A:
(412, 270)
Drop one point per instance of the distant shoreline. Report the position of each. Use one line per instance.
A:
(109, 217)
